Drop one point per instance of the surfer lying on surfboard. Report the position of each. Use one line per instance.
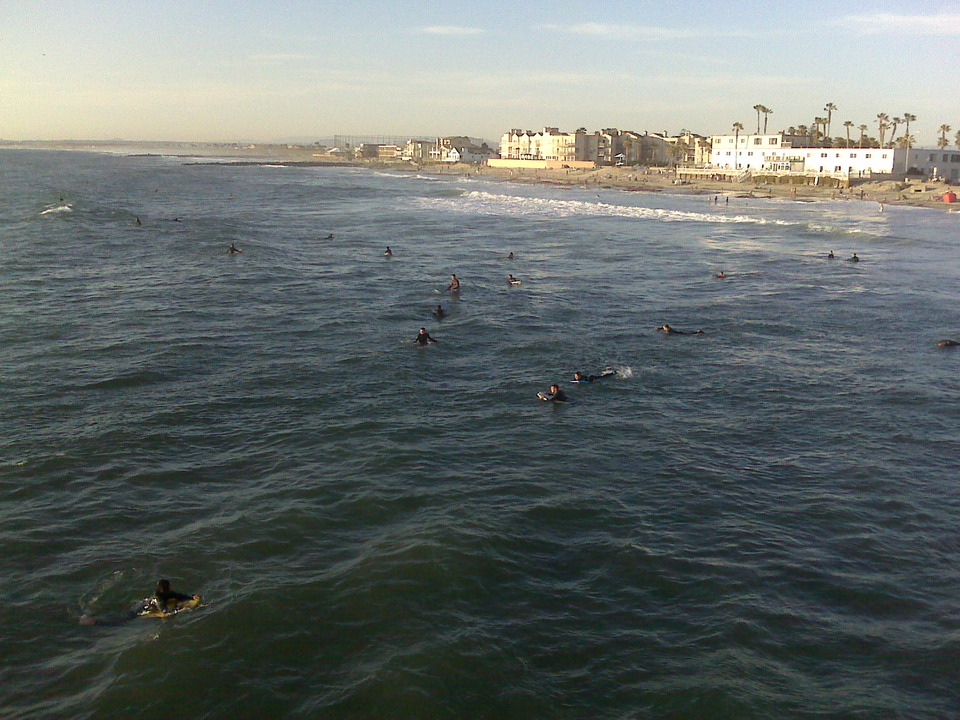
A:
(165, 603)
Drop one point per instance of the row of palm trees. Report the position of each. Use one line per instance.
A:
(819, 131)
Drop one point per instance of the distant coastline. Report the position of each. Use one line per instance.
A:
(887, 192)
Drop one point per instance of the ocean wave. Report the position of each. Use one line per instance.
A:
(485, 203)
(56, 210)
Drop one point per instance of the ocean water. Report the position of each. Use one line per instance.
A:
(760, 521)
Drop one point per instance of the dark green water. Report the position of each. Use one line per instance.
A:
(756, 522)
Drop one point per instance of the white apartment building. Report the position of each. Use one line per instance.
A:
(550, 144)
(789, 153)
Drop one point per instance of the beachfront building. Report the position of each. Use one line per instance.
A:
(416, 150)
(550, 144)
(791, 154)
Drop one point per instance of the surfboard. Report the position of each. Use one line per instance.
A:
(514, 282)
(151, 609)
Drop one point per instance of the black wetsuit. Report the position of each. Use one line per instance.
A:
(424, 339)
(558, 396)
(592, 378)
(166, 600)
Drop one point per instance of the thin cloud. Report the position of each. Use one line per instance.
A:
(450, 30)
(638, 32)
(882, 23)
(280, 57)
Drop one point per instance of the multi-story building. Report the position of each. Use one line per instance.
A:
(781, 153)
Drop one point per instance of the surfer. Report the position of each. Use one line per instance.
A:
(167, 599)
(670, 331)
(138, 222)
(555, 394)
(853, 258)
(508, 257)
(581, 378)
(329, 237)
(720, 275)
(454, 285)
(423, 337)
(830, 255)
(948, 343)
(512, 280)
(233, 249)
(388, 251)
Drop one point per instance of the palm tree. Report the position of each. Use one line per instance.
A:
(956, 140)
(893, 133)
(829, 107)
(848, 124)
(942, 142)
(863, 130)
(767, 112)
(802, 130)
(818, 123)
(907, 119)
(882, 119)
(737, 127)
(759, 109)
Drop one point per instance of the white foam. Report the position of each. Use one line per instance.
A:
(485, 203)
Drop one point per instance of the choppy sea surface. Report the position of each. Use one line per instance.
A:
(760, 521)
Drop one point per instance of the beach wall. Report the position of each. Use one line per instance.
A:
(541, 164)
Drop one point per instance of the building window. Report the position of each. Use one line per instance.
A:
(869, 155)
(823, 154)
(837, 168)
(774, 141)
(757, 141)
(884, 155)
(750, 153)
(944, 157)
(955, 158)
(853, 155)
(934, 157)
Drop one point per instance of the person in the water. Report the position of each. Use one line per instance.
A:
(329, 237)
(167, 599)
(454, 285)
(509, 257)
(439, 312)
(948, 343)
(423, 337)
(555, 394)
(830, 255)
(853, 258)
(720, 275)
(670, 331)
(233, 249)
(512, 280)
(388, 251)
(581, 378)
(138, 222)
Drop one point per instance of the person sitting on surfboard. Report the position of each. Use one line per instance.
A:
(581, 378)
(423, 337)
(454, 285)
(512, 280)
(167, 599)
(555, 394)
(388, 251)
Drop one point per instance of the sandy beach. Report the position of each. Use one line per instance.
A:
(888, 192)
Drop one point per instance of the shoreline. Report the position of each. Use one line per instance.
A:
(911, 193)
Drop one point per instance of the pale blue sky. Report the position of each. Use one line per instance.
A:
(273, 71)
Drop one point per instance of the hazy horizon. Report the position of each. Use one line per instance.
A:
(294, 73)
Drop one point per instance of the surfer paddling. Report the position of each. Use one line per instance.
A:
(667, 330)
